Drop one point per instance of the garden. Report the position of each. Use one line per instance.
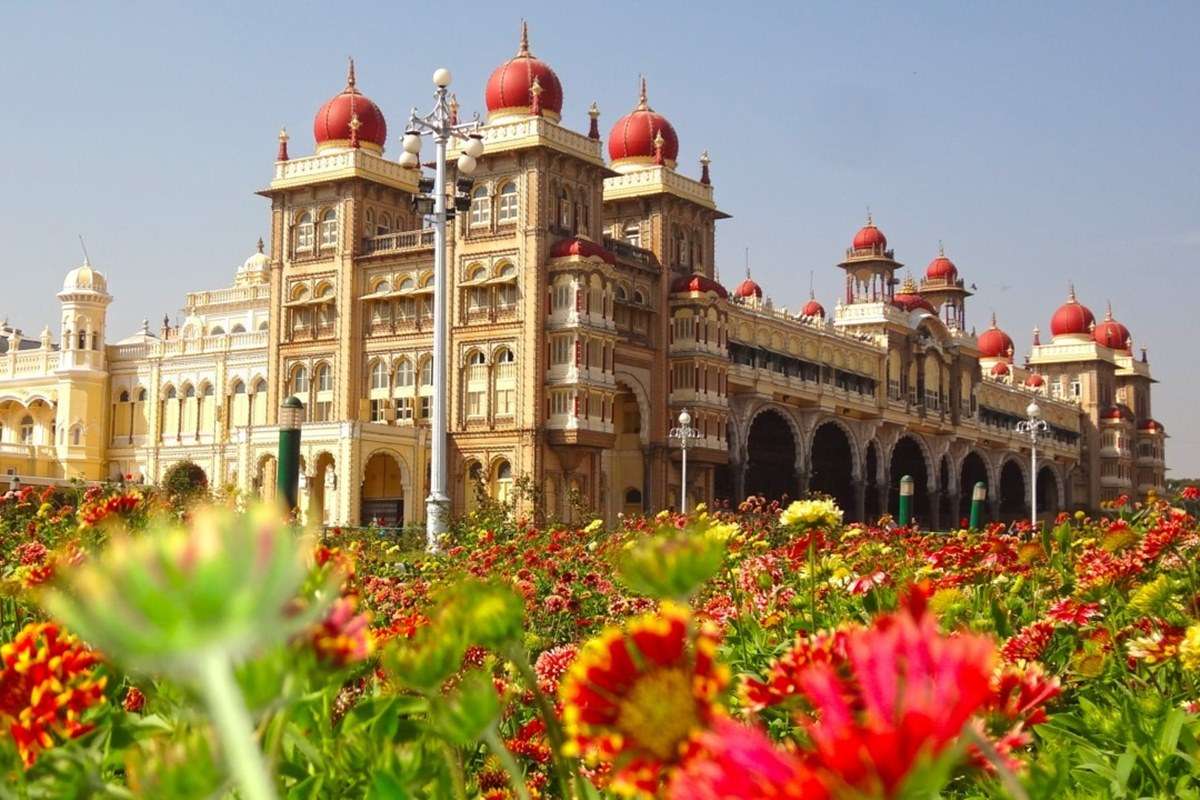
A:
(162, 643)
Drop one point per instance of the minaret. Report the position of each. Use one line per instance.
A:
(81, 415)
(870, 266)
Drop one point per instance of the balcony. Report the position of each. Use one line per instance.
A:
(398, 242)
(630, 253)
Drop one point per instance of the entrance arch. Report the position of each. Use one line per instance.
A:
(771, 457)
(1012, 492)
(974, 470)
(1047, 493)
(873, 510)
(323, 485)
(833, 466)
(266, 477)
(909, 459)
(383, 490)
(627, 482)
(946, 511)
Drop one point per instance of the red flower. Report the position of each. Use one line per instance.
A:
(343, 636)
(552, 664)
(134, 701)
(783, 677)
(1190, 493)
(734, 762)
(1070, 611)
(1029, 643)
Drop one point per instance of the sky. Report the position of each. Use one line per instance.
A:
(1043, 143)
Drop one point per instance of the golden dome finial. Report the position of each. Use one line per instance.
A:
(1071, 292)
(941, 249)
(643, 103)
(1108, 313)
(870, 219)
(994, 325)
(523, 49)
(350, 79)
(594, 110)
(260, 244)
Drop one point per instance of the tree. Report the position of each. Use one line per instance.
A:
(185, 482)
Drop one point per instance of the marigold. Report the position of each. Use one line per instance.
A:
(635, 697)
(47, 683)
(1189, 649)
(804, 514)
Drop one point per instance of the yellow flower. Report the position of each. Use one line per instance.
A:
(594, 526)
(811, 514)
(1189, 649)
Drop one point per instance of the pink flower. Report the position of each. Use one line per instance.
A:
(1029, 643)
(554, 603)
(552, 664)
(866, 583)
(1070, 611)
(734, 762)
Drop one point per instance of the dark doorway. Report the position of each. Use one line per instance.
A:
(908, 459)
(833, 466)
(946, 517)
(874, 512)
(1047, 494)
(771, 457)
(973, 471)
(1012, 492)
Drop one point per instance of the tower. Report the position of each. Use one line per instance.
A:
(81, 412)
(943, 287)
(870, 266)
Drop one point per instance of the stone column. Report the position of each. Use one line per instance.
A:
(955, 509)
(737, 471)
(802, 481)
(935, 510)
(884, 489)
(860, 500)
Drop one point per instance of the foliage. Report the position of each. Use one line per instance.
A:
(185, 482)
(763, 652)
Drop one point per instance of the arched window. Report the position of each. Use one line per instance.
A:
(189, 391)
(239, 328)
(141, 395)
(299, 380)
(505, 356)
(507, 212)
(504, 481)
(124, 398)
(481, 206)
(76, 435)
(324, 378)
(239, 387)
(369, 223)
(379, 376)
(427, 372)
(477, 358)
(26, 429)
(404, 373)
(260, 385)
(262, 326)
(208, 390)
(564, 209)
(385, 224)
(304, 232)
(83, 340)
(217, 330)
(170, 393)
(328, 228)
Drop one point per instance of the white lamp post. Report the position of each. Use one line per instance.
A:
(439, 123)
(686, 435)
(1033, 427)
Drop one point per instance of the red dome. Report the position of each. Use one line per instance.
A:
(748, 288)
(583, 248)
(994, 343)
(1111, 333)
(1000, 368)
(631, 140)
(908, 299)
(510, 89)
(941, 269)
(1034, 381)
(697, 283)
(813, 309)
(1119, 411)
(334, 124)
(1072, 318)
(869, 237)
(1150, 425)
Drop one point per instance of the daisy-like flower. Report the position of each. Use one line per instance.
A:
(1029, 643)
(734, 761)
(783, 676)
(46, 685)
(343, 637)
(1189, 649)
(635, 697)
(805, 514)
(552, 665)
(1153, 648)
(1070, 611)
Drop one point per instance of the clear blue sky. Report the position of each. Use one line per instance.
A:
(1042, 142)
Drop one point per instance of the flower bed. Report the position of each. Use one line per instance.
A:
(767, 652)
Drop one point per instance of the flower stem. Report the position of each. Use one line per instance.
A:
(232, 721)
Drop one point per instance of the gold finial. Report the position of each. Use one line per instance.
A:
(523, 50)
(350, 80)
(870, 219)
(704, 159)
(1108, 313)
(994, 319)
(1071, 292)
(658, 138)
(642, 102)
(355, 123)
(283, 134)
(260, 244)
(941, 249)
(594, 110)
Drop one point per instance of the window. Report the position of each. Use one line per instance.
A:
(477, 359)
(189, 391)
(1076, 389)
(262, 326)
(427, 372)
(505, 356)
(208, 390)
(477, 298)
(560, 402)
(508, 203)
(426, 406)
(504, 481)
(564, 296)
(124, 398)
(506, 295)
(562, 351)
(217, 330)
(379, 377)
(329, 228)
(300, 380)
(404, 409)
(404, 373)
(481, 206)
(170, 394)
(260, 385)
(324, 378)
(239, 328)
(141, 395)
(475, 403)
(379, 410)
(239, 387)
(322, 410)
(564, 210)
(27, 429)
(304, 232)
(385, 224)
(76, 434)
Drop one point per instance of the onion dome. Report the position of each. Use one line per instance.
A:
(999, 369)
(812, 308)
(85, 279)
(579, 247)
(869, 237)
(643, 137)
(1120, 411)
(941, 268)
(1111, 333)
(908, 298)
(1072, 318)
(1151, 426)
(748, 288)
(511, 89)
(1035, 381)
(697, 283)
(350, 119)
(994, 343)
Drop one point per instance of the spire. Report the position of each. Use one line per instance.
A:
(747, 263)
(870, 219)
(643, 104)
(1144, 360)
(260, 244)
(594, 126)
(994, 319)
(1071, 293)
(523, 49)
(535, 91)
(941, 249)
(282, 155)
(1108, 313)
(812, 295)
(1037, 335)
(704, 162)
(351, 83)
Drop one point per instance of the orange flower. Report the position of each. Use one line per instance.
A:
(46, 685)
(634, 698)
(343, 637)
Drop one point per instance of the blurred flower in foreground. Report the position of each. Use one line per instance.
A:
(734, 761)
(672, 563)
(343, 637)
(635, 697)
(805, 514)
(46, 685)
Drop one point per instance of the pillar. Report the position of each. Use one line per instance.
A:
(955, 509)
(860, 500)
(737, 471)
(803, 477)
(935, 510)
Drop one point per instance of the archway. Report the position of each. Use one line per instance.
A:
(946, 511)
(909, 459)
(771, 457)
(474, 486)
(628, 477)
(1047, 493)
(833, 466)
(974, 470)
(383, 491)
(1012, 492)
(324, 483)
(873, 511)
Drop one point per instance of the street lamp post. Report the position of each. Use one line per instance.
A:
(287, 476)
(1034, 428)
(686, 435)
(439, 123)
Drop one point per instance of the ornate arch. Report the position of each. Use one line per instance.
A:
(856, 449)
(641, 396)
(931, 476)
(405, 472)
(794, 425)
(1005, 456)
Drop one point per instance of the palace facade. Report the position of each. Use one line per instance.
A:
(585, 314)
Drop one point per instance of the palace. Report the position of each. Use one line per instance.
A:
(585, 314)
